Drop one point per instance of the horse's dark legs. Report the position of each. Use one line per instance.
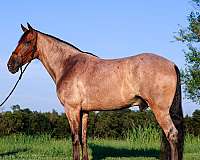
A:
(84, 135)
(171, 133)
(73, 116)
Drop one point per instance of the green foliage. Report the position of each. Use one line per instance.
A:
(115, 124)
(26, 134)
(196, 122)
(28, 122)
(192, 124)
(190, 36)
(106, 124)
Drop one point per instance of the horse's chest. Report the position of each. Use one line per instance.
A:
(69, 93)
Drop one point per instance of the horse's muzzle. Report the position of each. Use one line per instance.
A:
(12, 69)
(14, 64)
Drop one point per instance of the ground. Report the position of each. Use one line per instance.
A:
(19, 147)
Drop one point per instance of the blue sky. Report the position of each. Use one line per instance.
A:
(109, 29)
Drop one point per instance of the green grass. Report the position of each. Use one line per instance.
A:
(142, 144)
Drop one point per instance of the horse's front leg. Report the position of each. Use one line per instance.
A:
(84, 135)
(73, 115)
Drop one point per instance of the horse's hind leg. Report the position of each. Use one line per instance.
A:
(171, 133)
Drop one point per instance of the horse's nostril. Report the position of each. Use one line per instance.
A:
(9, 65)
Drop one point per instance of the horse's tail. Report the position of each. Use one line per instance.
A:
(176, 114)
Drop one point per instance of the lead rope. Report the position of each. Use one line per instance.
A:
(20, 76)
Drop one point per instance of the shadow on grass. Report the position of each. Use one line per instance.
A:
(101, 152)
(13, 152)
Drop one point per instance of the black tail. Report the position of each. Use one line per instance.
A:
(176, 114)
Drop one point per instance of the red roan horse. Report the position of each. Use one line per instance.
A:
(87, 83)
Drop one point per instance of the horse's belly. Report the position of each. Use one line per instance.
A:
(108, 99)
(98, 105)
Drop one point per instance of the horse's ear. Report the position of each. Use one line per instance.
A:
(24, 29)
(29, 27)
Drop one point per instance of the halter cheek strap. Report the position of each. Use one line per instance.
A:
(34, 49)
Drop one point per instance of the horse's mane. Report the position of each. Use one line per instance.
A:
(69, 44)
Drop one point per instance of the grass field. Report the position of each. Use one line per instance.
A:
(137, 146)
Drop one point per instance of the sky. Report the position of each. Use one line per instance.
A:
(109, 29)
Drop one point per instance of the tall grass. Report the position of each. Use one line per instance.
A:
(144, 137)
(192, 144)
(149, 138)
(149, 134)
(34, 147)
(139, 143)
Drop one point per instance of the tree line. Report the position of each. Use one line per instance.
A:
(105, 124)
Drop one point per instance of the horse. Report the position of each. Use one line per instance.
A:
(84, 82)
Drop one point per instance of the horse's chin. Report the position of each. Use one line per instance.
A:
(13, 71)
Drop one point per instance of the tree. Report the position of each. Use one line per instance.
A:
(196, 122)
(190, 37)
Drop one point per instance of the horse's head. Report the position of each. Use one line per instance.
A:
(25, 50)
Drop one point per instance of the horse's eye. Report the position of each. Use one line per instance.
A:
(27, 42)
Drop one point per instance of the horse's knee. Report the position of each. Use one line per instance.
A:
(172, 135)
(75, 139)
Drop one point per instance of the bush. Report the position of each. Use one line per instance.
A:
(105, 124)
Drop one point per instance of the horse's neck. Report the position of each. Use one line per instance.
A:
(54, 54)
